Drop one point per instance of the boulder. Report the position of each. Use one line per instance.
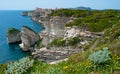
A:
(13, 35)
(29, 38)
(71, 32)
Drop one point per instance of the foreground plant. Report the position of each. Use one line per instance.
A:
(100, 56)
(19, 67)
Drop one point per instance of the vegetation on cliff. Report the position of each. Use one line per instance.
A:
(13, 31)
(70, 13)
(65, 42)
(94, 20)
(98, 20)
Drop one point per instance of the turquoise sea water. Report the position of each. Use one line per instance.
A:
(11, 52)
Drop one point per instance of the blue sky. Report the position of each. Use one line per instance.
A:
(32, 4)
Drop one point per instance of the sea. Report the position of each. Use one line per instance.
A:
(13, 19)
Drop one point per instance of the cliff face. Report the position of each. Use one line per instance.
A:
(29, 38)
(13, 37)
(57, 25)
(54, 28)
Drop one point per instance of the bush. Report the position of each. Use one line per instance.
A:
(73, 41)
(19, 67)
(68, 42)
(58, 42)
(12, 30)
(100, 57)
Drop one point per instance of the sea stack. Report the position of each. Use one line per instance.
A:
(13, 35)
(29, 38)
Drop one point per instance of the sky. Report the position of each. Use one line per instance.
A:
(32, 4)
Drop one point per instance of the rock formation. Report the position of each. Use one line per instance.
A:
(54, 54)
(29, 38)
(13, 35)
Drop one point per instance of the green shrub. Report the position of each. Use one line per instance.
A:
(54, 71)
(101, 56)
(12, 30)
(73, 41)
(58, 42)
(19, 67)
(68, 42)
(39, 44)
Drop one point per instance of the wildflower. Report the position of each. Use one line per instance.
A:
(65, 67)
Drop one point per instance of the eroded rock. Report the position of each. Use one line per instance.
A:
(13, 35)
(29, 38)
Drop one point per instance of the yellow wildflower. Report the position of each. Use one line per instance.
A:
(65, 67)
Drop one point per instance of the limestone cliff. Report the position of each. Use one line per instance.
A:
(29, 38)
(13, 35)
(54, 28)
